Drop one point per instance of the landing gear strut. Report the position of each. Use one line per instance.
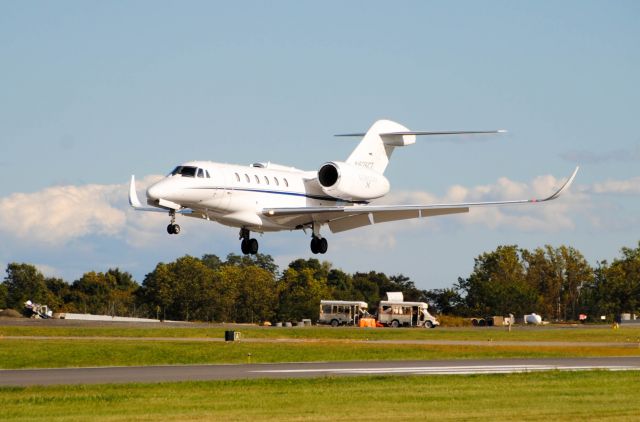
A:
(248, 246)
(173, 228)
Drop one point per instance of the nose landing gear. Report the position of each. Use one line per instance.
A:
(248, 246)
(173, 228)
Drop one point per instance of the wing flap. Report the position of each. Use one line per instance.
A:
(385, 216)
(348, 223)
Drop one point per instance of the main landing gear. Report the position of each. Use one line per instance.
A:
(319, 244)
(173, 228)
(248, 246)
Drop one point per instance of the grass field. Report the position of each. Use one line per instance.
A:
(320, 344)
(519, 333)
(547, 396)
(76, 353)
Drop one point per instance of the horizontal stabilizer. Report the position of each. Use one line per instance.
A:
(428, 133)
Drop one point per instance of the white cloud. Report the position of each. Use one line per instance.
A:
(59, 214)
(531, 217)
(626, 187)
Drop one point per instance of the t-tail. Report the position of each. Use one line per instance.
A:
(377, 145)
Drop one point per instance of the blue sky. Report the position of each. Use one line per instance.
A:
(91, 92)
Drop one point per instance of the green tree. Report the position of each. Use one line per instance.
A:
(615, 287)
(3, 295)
(256, 299)
(341, 286)
(24, 282)
(497, 284)
(368, 286)
(260, 260)
(184, 290)
(300, 293)
(58, 293)
(212, 261)
(445, 301)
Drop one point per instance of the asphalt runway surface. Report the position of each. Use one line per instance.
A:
(107, 375)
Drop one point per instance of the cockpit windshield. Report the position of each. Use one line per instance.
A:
(185, 171)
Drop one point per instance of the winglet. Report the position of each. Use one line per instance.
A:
(133, 196)
(564, 187)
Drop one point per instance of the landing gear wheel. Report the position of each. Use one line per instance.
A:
(244, 247)
(253, 246)
(173, 229)
(319, 245)
(249, 246)
(323, 245)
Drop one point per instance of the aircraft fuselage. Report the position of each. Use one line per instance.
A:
(235, 195)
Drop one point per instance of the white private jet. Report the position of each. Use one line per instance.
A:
(266, 197)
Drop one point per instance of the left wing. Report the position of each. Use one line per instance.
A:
(341, 218)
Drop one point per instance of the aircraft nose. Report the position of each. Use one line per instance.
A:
(155, 191)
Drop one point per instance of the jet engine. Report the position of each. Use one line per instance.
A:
(351, 183)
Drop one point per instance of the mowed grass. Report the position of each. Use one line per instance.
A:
(625, 334)
(558, 396)
(19, 353)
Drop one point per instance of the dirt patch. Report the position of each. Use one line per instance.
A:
(10, 313)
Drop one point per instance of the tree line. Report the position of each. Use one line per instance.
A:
(557, 283)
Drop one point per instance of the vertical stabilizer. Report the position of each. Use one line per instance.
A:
(374, 152)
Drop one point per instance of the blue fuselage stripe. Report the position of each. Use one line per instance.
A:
(274, 192)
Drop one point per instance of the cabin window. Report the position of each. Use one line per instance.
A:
(275, 179)
(237, 177)
(246, 176)
(266, 180)
(285, 182)
(200, 173)
(257, 178)
(207, 173)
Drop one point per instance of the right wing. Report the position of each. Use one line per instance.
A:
(341, 218)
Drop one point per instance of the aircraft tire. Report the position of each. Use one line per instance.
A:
(253, 246)
(323, 245)
(173, 229)
(314, 245)
(244, 247)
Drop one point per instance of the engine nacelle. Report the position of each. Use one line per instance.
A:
(351, 183)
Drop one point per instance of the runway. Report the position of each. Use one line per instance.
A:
(107, 375)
